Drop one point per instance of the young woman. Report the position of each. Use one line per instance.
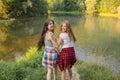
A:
(50, 56)
(67, 56)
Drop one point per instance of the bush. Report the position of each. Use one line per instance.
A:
(67, 5)
(3, 10)
(29, 67)
(7, 70)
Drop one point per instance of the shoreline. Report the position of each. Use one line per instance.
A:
(109, 15)
(69, 13)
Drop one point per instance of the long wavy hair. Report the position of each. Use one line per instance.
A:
(69, 30)
(45, 29)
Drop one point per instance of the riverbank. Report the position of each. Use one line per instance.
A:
(65, 13)
(82, 13)
(109, 15)
(29, 67)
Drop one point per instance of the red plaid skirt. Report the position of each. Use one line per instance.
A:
(66, 58)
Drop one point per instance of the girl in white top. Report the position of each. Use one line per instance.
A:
(67, 56)
(67, 42)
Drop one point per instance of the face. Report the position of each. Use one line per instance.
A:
(64, 27)
(50, 26)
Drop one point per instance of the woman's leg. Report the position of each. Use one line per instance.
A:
(55, 72)
(69, 73)
(63, 75)
(49, 73)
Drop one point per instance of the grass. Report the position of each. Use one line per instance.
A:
(29, 68)
(93, 71)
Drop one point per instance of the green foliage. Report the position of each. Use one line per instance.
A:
(30, 68)
(109, 6)
(70, 5)
(38, 74)
(57, 6)
(7, 71)
(118, 10)
(24, 68)
(28, 8)
(92, 71)
(32, 58)
(101, 6)
(67, 5)
(21, 8)
(3, 10)
(88, 6)
(91, 6)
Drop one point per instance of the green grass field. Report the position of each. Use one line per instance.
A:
(29, 68)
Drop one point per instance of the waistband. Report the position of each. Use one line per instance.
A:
(49, 47)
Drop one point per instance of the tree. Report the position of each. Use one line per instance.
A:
(21, 8)
(118, 10)
(109, 6)
(70, 5)
(90, 6)
(67, 5)
(3, 13)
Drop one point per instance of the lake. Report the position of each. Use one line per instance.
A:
(97, 37)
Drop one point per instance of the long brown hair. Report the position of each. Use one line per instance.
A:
(45, 29)
(69, 30)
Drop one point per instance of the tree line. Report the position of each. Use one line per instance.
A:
(21, 8)
(87, 6)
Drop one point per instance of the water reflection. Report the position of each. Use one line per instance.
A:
(108, 62)
(18, 36)
(99, 35)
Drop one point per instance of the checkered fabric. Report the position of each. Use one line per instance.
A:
(50, 58)
(67, 58)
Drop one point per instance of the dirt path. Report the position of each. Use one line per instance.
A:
(75, 75)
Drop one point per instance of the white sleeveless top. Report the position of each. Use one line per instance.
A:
(67, 42)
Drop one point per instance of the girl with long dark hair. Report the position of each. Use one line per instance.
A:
(48, 40)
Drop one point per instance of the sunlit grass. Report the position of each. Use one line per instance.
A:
(29, 67)
(31, 52)
(93, 71)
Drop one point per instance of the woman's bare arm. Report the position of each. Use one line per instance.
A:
(60, 41)
(53, 39)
